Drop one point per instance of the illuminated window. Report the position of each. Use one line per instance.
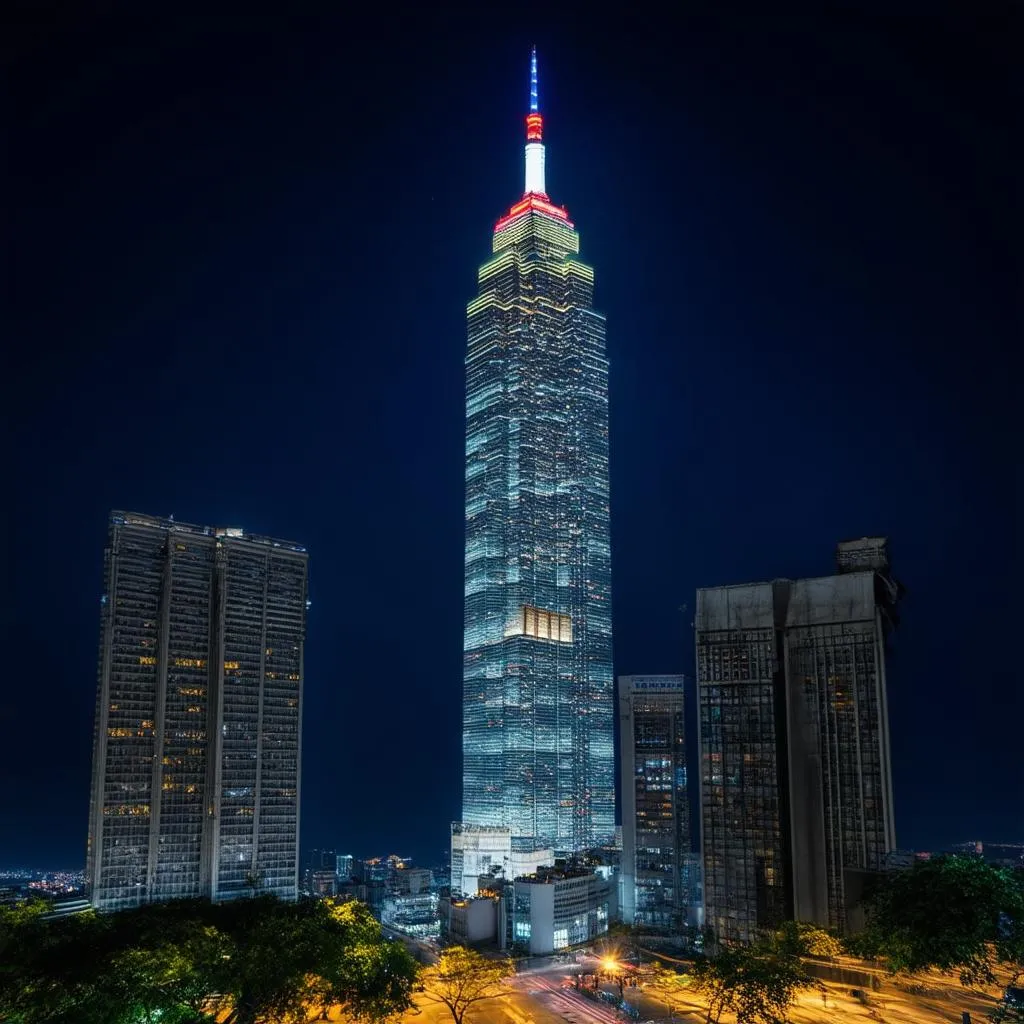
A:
(541, 624)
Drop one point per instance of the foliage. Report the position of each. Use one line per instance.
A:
(1010, 1009)
(953, 913)
(184, 962)
(758, 984)
(797, 938)
(462, 977)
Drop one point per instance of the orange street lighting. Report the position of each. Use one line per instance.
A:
(608, 964)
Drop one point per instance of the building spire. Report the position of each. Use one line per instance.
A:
(534, 137)
(533, 82)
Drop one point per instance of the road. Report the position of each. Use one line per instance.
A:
(552, 990)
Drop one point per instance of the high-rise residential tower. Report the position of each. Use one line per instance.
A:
(197, 732)
(538, 747)
(796, 783)
(656, 862)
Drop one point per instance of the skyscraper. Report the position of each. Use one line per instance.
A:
(538, 748)
(197, 731)
(796, 782)
(656, 863)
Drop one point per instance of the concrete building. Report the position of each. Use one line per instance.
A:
(655, 802)
(195, 786)
(474, 921)
(413, 880)
(323, 882)
(561, 907)
(796, 784)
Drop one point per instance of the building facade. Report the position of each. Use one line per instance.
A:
(197, 731)
(538, 747)
(474, 921)
(478, 850)
(414, 914)
(796, 782)
(561, 907)
(656, 870)
(343, 866)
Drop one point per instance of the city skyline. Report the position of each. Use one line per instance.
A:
(538, 732)
(238, 307)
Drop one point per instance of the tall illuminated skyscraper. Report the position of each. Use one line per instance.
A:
(538, 705)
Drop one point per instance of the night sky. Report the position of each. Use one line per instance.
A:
(239, 252)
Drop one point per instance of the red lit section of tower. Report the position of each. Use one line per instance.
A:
(535, 196)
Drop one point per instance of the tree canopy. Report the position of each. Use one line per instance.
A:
(757, 983)
(954, 913)
(184, 962)
(798, 938)
(463, 977)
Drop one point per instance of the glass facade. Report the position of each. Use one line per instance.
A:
(538, 690)
(656, 865)
(796, 779)
(196, 744)
(743, 779)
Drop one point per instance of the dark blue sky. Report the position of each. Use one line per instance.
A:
(239, 252)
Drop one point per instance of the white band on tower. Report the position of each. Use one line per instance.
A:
(535, 168)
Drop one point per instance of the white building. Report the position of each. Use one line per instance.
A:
(554, 909)
(529, 862)
(475, 850)
(478, 920)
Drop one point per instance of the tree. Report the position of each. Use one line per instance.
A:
(758, 984)
(461, 978)
(52, 971)
(371, 978)
(291, 960)
(262, 959)
(797, 938)
(954, 913)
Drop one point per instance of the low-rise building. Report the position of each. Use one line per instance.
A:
(323, 882)
(414, 915)
(475, 921)
(413, 880)
(560, 907)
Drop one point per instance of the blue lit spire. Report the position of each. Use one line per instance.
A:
(534, 107)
